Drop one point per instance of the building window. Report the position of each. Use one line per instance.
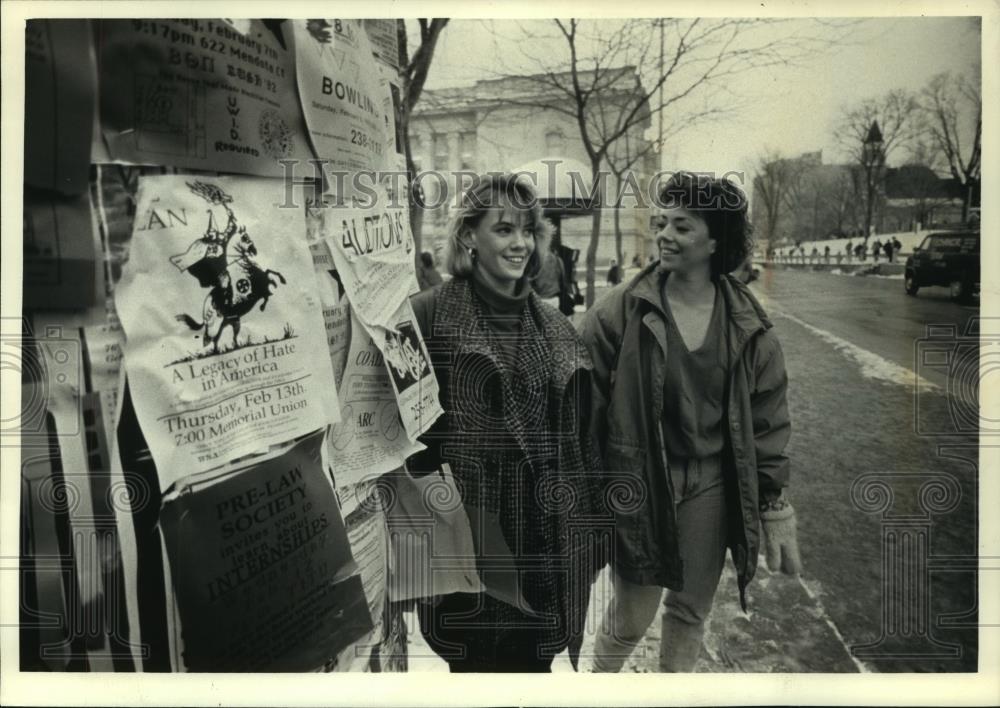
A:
(441, 156)
(555, 141)
(467, 150)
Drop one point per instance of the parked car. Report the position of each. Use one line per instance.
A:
(949, 259)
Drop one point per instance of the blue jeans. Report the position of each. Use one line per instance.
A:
(700, 504)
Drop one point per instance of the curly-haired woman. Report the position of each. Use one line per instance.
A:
(689, 400)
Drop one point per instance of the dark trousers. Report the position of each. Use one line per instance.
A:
(461, 628)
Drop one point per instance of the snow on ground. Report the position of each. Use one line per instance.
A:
(909, 239)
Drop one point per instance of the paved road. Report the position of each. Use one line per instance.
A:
(870, 312)
(881, 419)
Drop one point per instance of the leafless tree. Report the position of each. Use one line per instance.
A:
(840, 206)
(770, 190)
(952, 109)
(621, 160)
(414, 70)
(893, 114)
(805, 201)
(609, 78)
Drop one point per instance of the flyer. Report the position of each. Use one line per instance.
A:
(394, 139)
(367, 532)
(200, 93)
(383, 35)
(64, 390)
(370, 439)
(60, 252)
(336, 308)
(261, 566)
(102, 350)
(342, 96)
(372, 246)
(225, 347)
(408, 364)
(43, 593)
(59, 80)
(82, 351)
(113, 192)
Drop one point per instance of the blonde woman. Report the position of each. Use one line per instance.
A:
(514, 381)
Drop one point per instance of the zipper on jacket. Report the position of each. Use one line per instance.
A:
(671, 504)
(663, 457)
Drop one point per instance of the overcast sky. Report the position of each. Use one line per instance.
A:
(793, 109)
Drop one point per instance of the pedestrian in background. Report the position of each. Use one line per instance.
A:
(887, 249)
(876, 250)
(847, 249)
(549, 281)
(826, 253)
(690, 395)
(427, 275)
(511, 371)
(614, 273)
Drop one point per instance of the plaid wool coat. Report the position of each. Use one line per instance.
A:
(519, 446)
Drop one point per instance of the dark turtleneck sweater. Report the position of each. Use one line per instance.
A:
(503, 314)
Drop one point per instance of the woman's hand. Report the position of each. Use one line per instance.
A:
(781, 542)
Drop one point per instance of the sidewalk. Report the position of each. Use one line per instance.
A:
(786, 631)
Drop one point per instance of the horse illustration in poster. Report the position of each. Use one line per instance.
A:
(226, 262)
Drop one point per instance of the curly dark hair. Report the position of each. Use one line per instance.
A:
(722, 205)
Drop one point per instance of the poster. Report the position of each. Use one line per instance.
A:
(336, 308)
(102, 345)
(262, 571)
(200, 93)
(60, 252)
(59, 80)
(113, 193)
(45, 598)
(82, 356)
(372, 247)
(369, 440)
(394, 139)
(225, 348)
(409, 367)
(343, 98)
(367, 533)
(64, 387)
(383, 35)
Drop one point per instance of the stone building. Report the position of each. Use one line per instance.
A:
(505, 124)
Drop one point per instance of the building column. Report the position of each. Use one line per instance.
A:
(453, 156)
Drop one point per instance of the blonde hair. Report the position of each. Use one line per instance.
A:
(489, 192)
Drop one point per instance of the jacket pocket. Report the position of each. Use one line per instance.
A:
(627, 495)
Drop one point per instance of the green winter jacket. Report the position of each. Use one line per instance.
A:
(626, 336)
